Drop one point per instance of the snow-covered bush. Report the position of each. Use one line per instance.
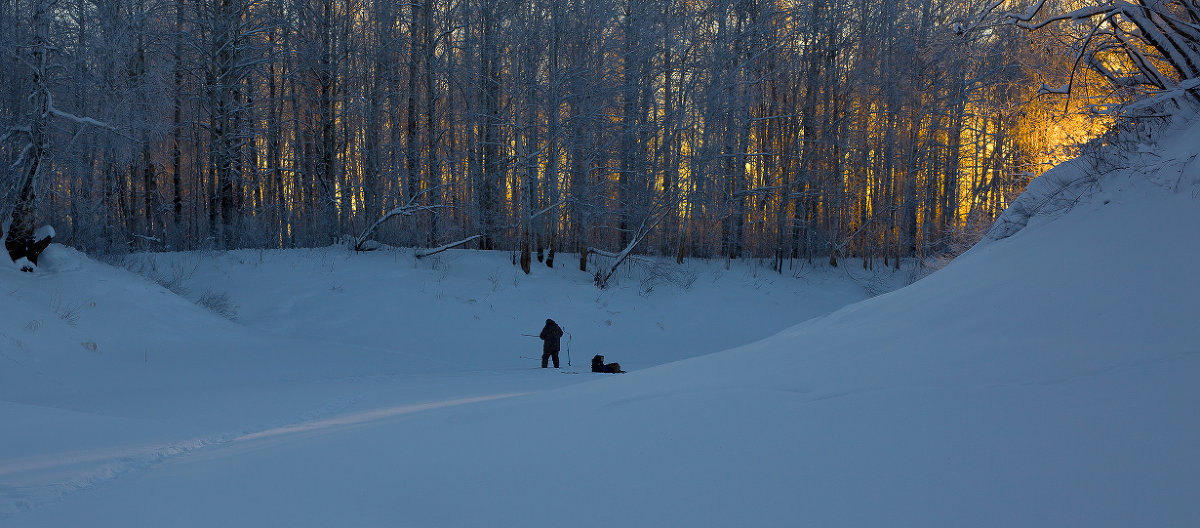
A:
(219, 303)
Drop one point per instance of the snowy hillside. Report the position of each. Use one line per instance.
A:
(107, 373)
(1046, 378)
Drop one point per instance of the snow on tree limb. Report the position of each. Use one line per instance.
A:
(549, 208)
(405, 210)
(81, 120)
(1047, 89)
(1150, 34)
(13, 131)
(1179, 90)
(960, 29)
(439, 249)
(648, 224)
(21, 158)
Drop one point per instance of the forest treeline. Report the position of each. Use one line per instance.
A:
(777, 129)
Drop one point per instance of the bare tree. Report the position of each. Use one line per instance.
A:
(780, 130)
(1149, 47)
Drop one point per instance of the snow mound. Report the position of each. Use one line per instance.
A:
(1165, 156)
(41, 233)
(1047, 196)
(58, 258)
(1042, 380)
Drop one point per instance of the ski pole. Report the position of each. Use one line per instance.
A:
(568, 347)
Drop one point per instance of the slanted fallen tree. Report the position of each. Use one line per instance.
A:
(603, 276)
(407, 209)
(439, 249)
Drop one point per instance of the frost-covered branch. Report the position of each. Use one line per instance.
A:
(80, 120)
(1161, 97)
(960, 29)
(13, 131)
(550, 208)
(1061, 90)
(439, 249)
(647, 225)
(404, 210)
(1147, 33)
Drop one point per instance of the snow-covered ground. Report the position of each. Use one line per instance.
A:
(109, 376)
(1045, 378)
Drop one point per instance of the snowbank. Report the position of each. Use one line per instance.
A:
(106, 375)
(1164, 157)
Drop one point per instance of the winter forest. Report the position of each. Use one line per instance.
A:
(719, 129)
(853, 263)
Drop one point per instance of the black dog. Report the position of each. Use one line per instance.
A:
(598, 365)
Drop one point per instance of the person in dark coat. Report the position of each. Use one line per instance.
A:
(551, 336)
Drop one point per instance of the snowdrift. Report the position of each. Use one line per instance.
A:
(107, 375)
(1043, 379)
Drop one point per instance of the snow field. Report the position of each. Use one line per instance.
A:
(109, 375)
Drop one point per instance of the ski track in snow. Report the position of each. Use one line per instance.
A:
(37, 481)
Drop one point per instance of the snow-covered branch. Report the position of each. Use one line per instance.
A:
(404, 210)
(550, 208)
(647, 225)
(80, 120)
(1160, 39)
(1179, 90)
(960, 29)
(13, 131)
(439, 249)
(1061, 90)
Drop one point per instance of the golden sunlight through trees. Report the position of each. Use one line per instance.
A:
(769, 129)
